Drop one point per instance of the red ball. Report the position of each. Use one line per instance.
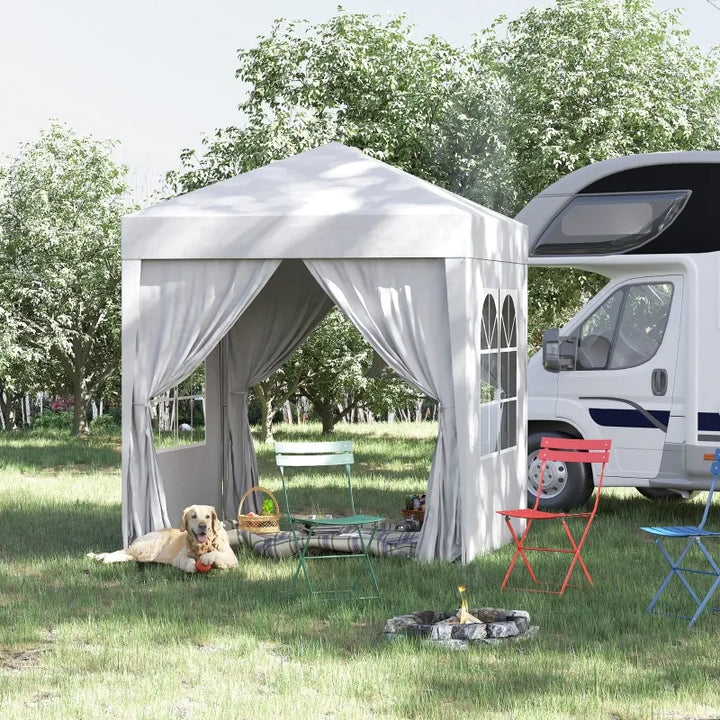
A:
(200, 567)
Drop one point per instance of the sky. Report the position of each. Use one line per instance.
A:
(158, 75)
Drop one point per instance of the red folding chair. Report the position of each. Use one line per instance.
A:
(558, 450)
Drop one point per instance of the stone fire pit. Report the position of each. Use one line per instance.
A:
(494, 626)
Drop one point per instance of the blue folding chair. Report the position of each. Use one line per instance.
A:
(694, 536)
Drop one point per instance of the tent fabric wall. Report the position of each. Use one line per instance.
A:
(282, 315)
(400, 307)
(491, 477)
(179, 322)
(193, 265)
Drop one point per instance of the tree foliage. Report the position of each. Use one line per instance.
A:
(586, 80)
(358, 81)
(63, 198)
(335, 358)
(273, 392)
(529, 101)
(352, 79)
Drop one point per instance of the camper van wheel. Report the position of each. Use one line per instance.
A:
(564, 486)
(662, 494)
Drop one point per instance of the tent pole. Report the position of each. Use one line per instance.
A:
(223, 424)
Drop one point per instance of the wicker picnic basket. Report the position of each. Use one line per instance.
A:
(260, 524)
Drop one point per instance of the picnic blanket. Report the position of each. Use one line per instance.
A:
(386, 543)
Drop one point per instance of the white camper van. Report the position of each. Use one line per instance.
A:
(640, 363)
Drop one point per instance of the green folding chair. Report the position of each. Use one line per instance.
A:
(304, 527)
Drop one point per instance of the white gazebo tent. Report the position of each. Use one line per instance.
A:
(238, 273)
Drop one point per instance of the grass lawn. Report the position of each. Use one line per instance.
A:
(81, 640)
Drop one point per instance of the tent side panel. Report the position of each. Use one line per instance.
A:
(130, 310)
(462, 317)
(504, 473)
(193, 474)
(490, 479)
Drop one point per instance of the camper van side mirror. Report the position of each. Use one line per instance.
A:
(558, 353)
(551, 350)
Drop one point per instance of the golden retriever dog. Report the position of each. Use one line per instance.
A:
(200, 536)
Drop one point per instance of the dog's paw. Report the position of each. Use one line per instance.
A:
(190, 566)
(208, 558)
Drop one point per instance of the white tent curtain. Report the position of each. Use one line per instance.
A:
(282, 315)
(400, 307)
(185, 308)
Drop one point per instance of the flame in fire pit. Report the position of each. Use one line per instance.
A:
(463, 599)
(463, 616)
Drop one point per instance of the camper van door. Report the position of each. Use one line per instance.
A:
(622, 383)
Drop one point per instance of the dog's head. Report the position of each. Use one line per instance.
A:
(201, 523)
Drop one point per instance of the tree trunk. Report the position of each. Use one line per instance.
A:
(267, 410)
(81, 400)
(80, 425)
(327, 416)
(163, 412)
(174, 412)
(266, 418)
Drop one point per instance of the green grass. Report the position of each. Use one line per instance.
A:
(80, 640)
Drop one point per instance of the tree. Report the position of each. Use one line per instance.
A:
(273, 392)
(531, 100)
(15, 359)
(351, 79)
(354, 80)
(586, 80)
(60, 261)
(387, 393)
(335, 358)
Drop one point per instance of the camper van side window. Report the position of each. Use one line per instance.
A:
(642, 324)
(627, 329)
(596, 335)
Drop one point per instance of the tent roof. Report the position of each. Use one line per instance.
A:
(329, 202)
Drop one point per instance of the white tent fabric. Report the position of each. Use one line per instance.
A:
(408, 262)
(179, 323)
(401, 310)
(296, 305)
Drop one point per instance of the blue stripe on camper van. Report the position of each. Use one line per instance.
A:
(708, 421)
(627, 418)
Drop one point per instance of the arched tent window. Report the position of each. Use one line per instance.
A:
(508, 372)
(489, 324)
(498, 372)
(489, 376)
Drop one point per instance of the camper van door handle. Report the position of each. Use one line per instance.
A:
(659, 381)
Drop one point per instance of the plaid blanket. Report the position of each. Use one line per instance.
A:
(386, 543)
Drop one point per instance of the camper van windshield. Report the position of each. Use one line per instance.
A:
(610, 223)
